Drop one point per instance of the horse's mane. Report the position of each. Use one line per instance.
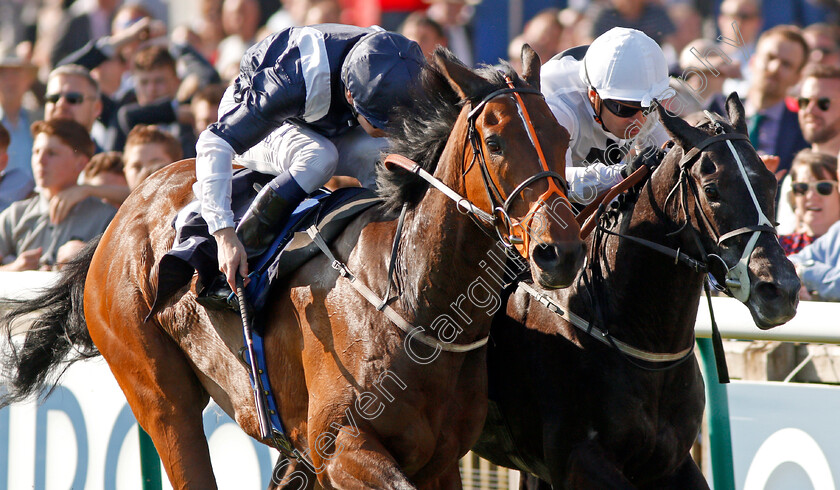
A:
(420, 131)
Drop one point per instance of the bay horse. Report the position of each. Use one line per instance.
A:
(582, 412)
(378, 407)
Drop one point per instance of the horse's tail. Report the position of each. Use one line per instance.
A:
(57, 337)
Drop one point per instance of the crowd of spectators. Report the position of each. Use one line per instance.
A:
(142, 90)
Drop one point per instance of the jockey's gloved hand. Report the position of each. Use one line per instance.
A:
(650, 157)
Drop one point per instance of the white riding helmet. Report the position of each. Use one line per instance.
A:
(625, 64)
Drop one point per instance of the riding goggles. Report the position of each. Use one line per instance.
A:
(823, 102)
(823, 187)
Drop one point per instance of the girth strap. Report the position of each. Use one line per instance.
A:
(604, 336)
(411, 331)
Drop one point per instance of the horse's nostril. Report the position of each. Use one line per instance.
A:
(546, 255)
(769, 292)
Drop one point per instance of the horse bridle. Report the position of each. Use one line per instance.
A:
(736, 276)
(513, 233)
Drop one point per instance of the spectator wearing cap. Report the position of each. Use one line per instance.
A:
(15, 184)
(303, 118)
(598, 94)
(16, 78)
(29, 235)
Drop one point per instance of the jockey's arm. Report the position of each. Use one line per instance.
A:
(273, 95)
(586, 180)
(586, 183)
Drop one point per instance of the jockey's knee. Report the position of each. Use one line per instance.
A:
(313, 169)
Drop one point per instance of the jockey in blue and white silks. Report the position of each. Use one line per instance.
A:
(308, 104)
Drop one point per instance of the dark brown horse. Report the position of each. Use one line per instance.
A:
(580, 413)
(378, 407)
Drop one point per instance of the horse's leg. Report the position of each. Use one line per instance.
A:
(687, 476)
(590, 466)
(363, 462)
(159, 384)
(291, 474)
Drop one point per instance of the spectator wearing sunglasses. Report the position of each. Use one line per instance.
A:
(73, 94)
(818, 264)
(813, 198)
(601, 94)
(819, 108)
(780, 55)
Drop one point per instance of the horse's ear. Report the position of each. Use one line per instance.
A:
(531, 66)
(736, 113)
(463, 81)
(682, 132)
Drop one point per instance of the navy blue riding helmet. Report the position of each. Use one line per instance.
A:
(378, 71)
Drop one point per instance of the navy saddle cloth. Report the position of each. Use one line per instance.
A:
(195, 249)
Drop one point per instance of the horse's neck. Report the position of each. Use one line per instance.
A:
(445, 264)
(651, 302)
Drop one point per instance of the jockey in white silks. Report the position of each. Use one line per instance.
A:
(601, 100)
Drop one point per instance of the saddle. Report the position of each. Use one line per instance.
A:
(194, 250)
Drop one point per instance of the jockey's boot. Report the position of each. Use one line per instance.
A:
(261, 224)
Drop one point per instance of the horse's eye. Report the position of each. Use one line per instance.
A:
(711, 191)
(493, 145)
